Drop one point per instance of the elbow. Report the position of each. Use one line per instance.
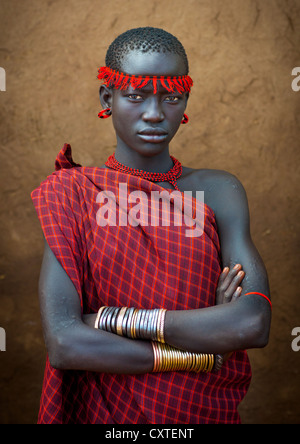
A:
(56, 361)
(58, 350)
(264, 336)
(264, 325)
(256, 332)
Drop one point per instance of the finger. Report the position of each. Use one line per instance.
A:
(235, 283)
(223, 275)
(229, 276)
(221, 288)
(228, 294)
(236, 294)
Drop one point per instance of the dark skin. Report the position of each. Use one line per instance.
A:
(236, 321)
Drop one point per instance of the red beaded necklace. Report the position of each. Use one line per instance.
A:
(171, 176)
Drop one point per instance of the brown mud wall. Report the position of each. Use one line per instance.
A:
(244, 118)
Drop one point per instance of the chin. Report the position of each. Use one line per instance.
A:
(151, 149)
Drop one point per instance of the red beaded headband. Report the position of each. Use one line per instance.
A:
(122, 81)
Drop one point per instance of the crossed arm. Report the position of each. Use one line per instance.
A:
(245, 322)
(236, 322)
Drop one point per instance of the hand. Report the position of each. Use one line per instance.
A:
(229, 289)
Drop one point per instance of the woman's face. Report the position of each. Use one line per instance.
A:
(146, 122)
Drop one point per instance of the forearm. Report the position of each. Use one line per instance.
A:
(81, 347)
(71, 341)
(241, 324)
(214, 330)
(220, 329)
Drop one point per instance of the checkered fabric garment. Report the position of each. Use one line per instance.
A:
(144, 267)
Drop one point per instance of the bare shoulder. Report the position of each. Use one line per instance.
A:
(211, 180)
(220, 187)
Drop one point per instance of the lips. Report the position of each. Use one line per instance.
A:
(153, 132)
(153, 135)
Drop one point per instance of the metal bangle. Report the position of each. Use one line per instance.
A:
(128, 324)
(143, 324)
(113, 322)
(124, 322)
(102, 318)
(109, 313)
(119, 321)
(96, 325)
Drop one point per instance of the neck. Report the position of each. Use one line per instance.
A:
(147, 161)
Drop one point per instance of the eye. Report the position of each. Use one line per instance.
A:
(134, 96)
(172, 99)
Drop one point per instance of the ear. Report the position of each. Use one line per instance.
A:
(105, 94)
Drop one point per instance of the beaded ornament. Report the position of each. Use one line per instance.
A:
(122, 81)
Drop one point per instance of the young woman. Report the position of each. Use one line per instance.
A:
(140, 322)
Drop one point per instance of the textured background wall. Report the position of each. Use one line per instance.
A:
(244, 117)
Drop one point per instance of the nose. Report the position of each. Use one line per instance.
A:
(153, 112)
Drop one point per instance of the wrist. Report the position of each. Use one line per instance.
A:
(89, 319)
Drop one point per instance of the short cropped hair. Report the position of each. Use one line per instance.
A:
(146, 39)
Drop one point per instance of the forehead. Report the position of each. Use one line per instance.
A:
(153, 64)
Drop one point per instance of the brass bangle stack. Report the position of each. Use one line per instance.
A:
(132, 322)
(136, 323)
(169, 359)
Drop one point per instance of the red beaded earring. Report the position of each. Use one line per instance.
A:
(185, 119)
(105, 113)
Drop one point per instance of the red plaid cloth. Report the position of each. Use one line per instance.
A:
(143, 267)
